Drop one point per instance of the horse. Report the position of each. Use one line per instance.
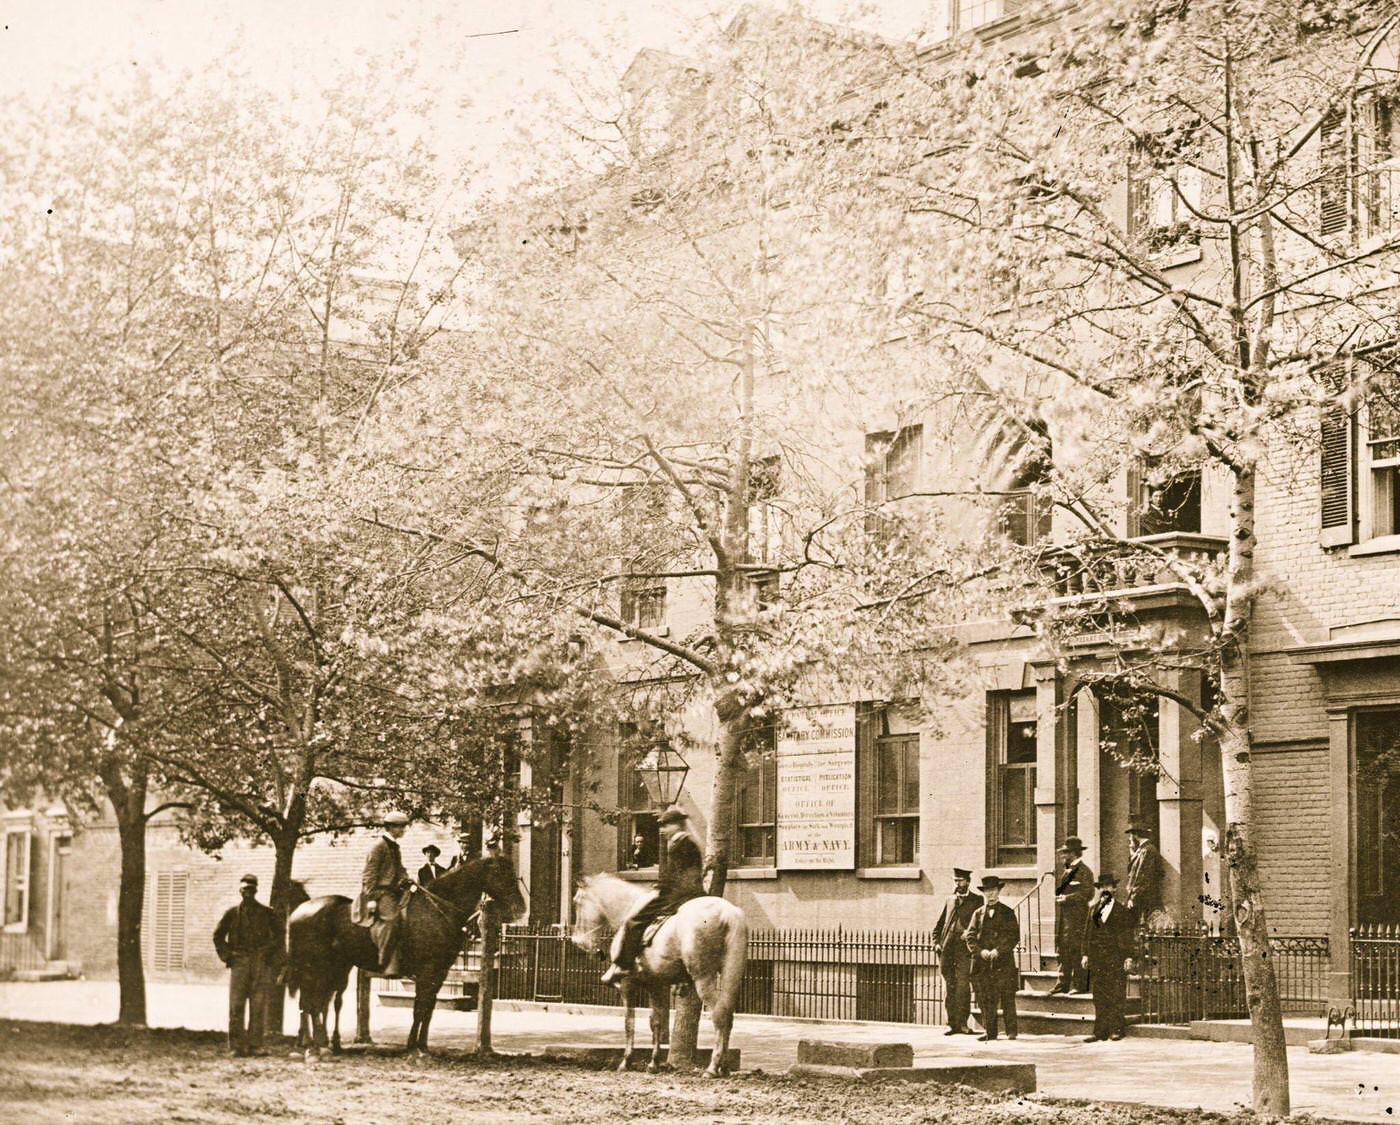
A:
(705, 942)
(323, 944)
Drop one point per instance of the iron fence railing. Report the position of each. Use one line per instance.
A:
(1375, 981)
(818, 973)
(1035, 916)
(1188, 973)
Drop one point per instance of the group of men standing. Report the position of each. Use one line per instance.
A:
(1095, 939)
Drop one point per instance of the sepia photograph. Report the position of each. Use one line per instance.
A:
(700, 561)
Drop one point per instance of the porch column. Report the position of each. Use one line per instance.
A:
(1049, 776)
(1087, 776)
(1179, 798)
(1341, 883)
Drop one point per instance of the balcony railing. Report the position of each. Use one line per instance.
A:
(1126, 565)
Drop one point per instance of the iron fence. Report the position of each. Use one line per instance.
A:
(1375, 981)
(1186, 974)
(818, 973)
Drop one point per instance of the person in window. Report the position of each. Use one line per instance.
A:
(431, 868)
(991, 940)
(249, 941)
(1143, 894)
(1073, 891)
(381, 888)
(637, 856)
(682, 879)
(954, 963)
(1109, 959)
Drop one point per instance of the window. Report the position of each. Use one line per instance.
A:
(887, 798)
(897, 799)
(1377, 741)
(1025, 516)
(1165, 503)
(18, 868)
(1359, 476)
(638, 836)
(765, 529)
(1162, 195)
(643, 601)
(164, 924)
(891, 470)
(1359, 183)
(756, 800)
(1011, 749)
(975, 13)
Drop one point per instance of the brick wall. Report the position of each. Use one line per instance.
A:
(1291, 802)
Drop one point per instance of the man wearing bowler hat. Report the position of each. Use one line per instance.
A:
(1143, 893)
(249, 941)
(991, 940)
(953, 960)
(1073, 890)
(1108, 956)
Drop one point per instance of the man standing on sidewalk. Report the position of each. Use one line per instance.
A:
(1073, 891)
(991, 938)
(953, 961)
(1109, 959)
(249, 942)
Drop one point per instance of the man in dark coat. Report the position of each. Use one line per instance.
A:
(381, 888)
(249, 941)
(1073, 890)
(1109, 943)
(432, 869)
(953, 960)
(1143, 893)
(991, 939)
(682, 879)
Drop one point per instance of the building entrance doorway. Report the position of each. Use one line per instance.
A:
(1128, 756)
(1378, 817)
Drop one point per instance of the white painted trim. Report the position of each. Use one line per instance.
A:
(889, 872)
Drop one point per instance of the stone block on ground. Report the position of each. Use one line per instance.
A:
(825, 1052)
(993, 1077)
(1329, 1046)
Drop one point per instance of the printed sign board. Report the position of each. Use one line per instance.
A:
(817, 789)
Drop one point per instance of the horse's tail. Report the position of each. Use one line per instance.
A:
(736, 956)
(298, 952)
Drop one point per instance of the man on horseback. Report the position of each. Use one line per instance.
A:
(382, 887)
(682, 879)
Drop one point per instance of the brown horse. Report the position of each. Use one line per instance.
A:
(323, 944)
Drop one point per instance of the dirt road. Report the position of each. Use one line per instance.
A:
(62, 1073)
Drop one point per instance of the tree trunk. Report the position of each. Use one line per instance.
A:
(280, 899)
(131, 896)
(730, 754)
(486, 986)
(1240, 844)
(685, 1029)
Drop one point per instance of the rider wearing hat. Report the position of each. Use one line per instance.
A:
(682, 879)
(384, 882)
(992, 936)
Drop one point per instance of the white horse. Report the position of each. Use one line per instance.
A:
(705, 942)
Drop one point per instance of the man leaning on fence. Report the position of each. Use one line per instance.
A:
(991, 939)
(954, 961)
(249, 941)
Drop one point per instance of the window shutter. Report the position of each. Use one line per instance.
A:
(1333, 211)
(166, 921)
(1337, 474)
(867, 731)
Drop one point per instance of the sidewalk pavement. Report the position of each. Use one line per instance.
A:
(1166, 1072)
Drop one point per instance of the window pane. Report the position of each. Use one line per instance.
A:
(1014, 800)
(887, 776)
(1020, 743)
(910, 803)
(15, 871)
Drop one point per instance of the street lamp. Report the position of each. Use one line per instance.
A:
(663, 772)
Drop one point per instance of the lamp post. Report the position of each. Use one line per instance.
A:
(663, 772)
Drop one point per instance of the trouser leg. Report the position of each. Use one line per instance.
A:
(957, 996)
(1008, 1007)
(257, 1003)
(238, 978)
(987, 1001)
(633, 930)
